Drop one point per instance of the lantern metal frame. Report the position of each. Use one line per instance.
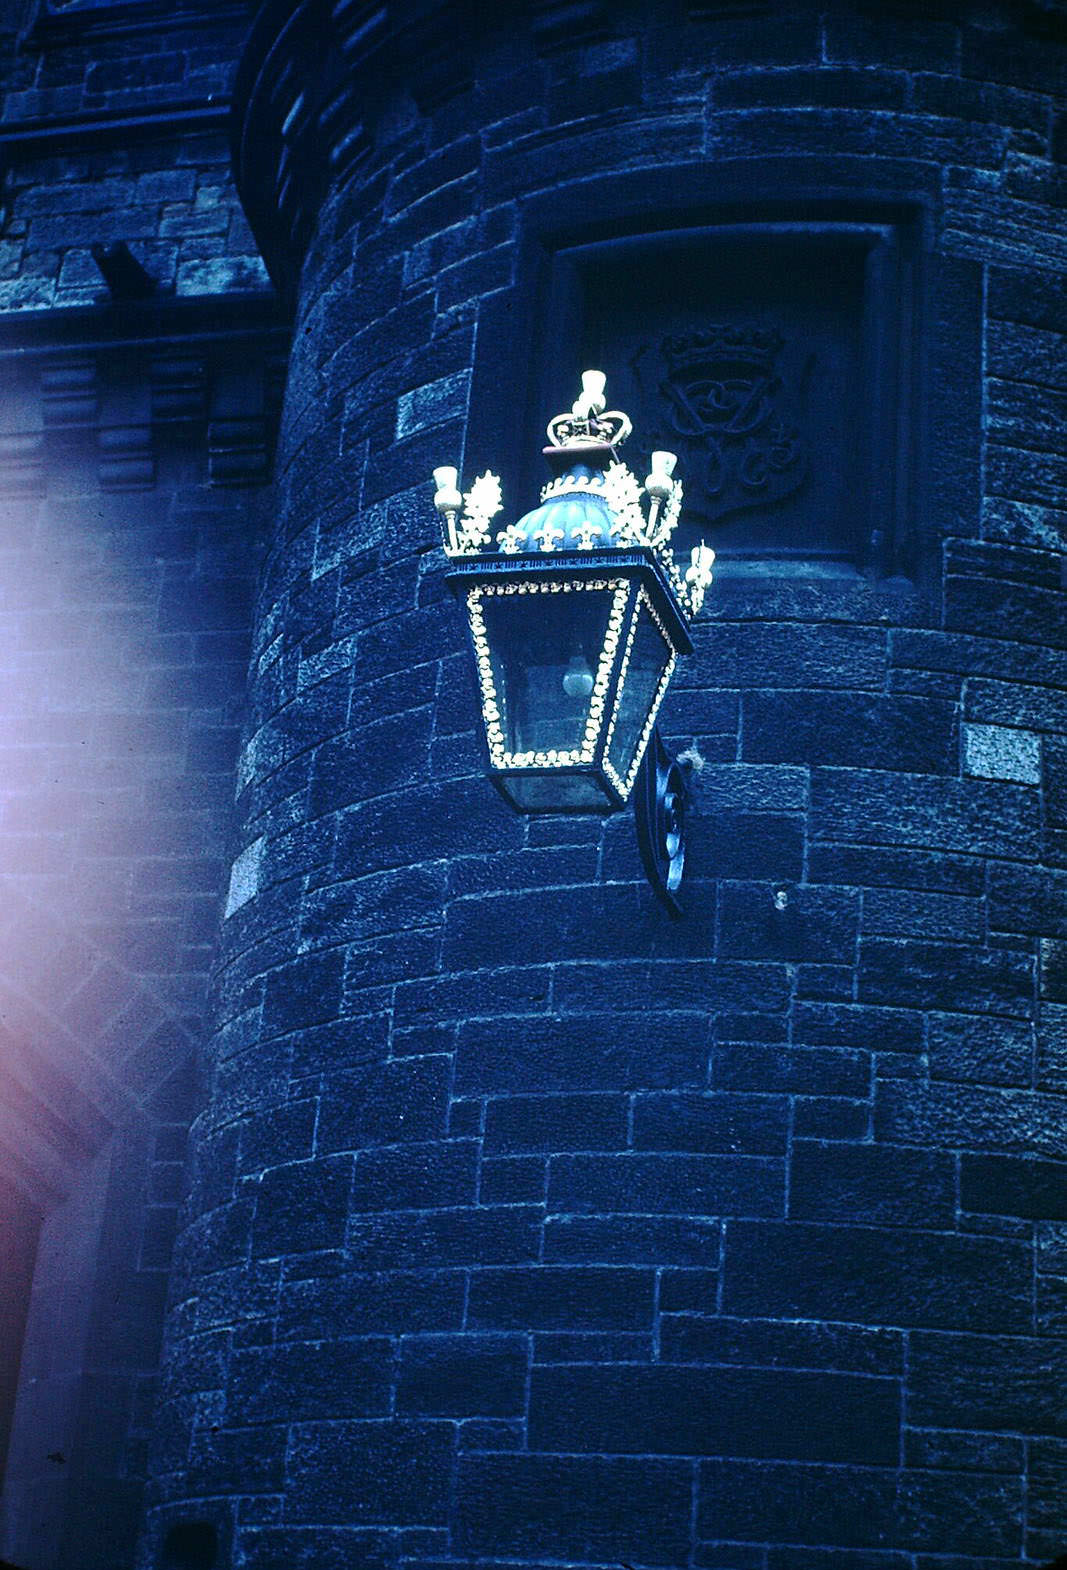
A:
(635, 581)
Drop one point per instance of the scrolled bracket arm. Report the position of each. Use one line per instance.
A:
(660, 800)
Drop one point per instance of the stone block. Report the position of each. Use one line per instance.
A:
(216, 1240)
(305, 991)
(998, 752)
(719, 1122)
(810, 1070)
(984, 606)
(581, 1053)
(977, 818)
(880, 1184)
(403, 1302)
(763, 1343)
(1052, 1047)
(440, 1239)
(438, 820)
(998, 1383)
(533, 868)
(687, 1241)
(324, 1379)
(662, 1183)
(751, 845)
(486, 1433)
(945, 976)
(870, 1275)
(509, 989)
(415, 1176)
(218, 1455)
(302, 1206)
(561, 1297)
(970, 1049)
(371, 761)
(1028, 900)
(824, 983)
(850, 730)
(815, 924)
(343, 1044)
(1055, 781)
(511, 1180)
(598, 1508)
(385, 1104)
(1016, 704)
(888, 867)
(585, 1346)
(829, 89)
(1014, 1122)
(1010, 1186)
(925, 44)
(950, 94)
(462, 1376)
(859, 1026)
(963, 1452)
(279, 1136)
(859, 1507)
(433, 404)
(394, 1473)
(1047, 1491)
(751, 788)
(831, 1117)
(318, 1548)
(704, 986)
(556, 1123)
(767, 1413)
(909, 913)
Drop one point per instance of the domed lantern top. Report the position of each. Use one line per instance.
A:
(578, 611)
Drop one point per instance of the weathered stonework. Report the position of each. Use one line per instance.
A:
(527, 1225)
(522, 1225)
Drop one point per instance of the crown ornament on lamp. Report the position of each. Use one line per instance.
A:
(594, 503)
(578, 613)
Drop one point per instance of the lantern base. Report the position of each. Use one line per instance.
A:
(556, 790)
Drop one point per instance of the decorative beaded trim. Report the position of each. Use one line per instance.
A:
(498, 754)
(624, 786)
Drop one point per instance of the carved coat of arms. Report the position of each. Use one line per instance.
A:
(723, 404)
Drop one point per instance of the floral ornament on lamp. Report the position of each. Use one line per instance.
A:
(595, 503)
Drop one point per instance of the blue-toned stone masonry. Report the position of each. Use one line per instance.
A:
(526, 1225)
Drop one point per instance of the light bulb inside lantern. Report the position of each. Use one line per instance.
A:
(578, 678)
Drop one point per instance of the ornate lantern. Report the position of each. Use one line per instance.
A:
(578, 613)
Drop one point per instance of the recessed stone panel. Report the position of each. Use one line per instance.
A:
(771, 357)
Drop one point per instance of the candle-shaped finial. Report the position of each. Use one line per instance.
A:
(659, 483)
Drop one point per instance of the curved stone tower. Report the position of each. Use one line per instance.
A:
(528, 1225)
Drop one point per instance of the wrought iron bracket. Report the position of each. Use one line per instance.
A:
(660, 796)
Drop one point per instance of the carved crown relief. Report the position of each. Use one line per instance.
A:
(725, 405)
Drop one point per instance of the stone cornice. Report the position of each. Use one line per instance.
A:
(212, 369)
(93, 19)
(311, 79)
(20, 139)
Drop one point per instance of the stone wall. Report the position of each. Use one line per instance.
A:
(528, 1226)
(135, 436)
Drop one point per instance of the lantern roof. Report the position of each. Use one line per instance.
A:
(593, 504)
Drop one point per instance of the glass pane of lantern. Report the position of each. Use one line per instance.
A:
(544, 650)
(649, 654)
